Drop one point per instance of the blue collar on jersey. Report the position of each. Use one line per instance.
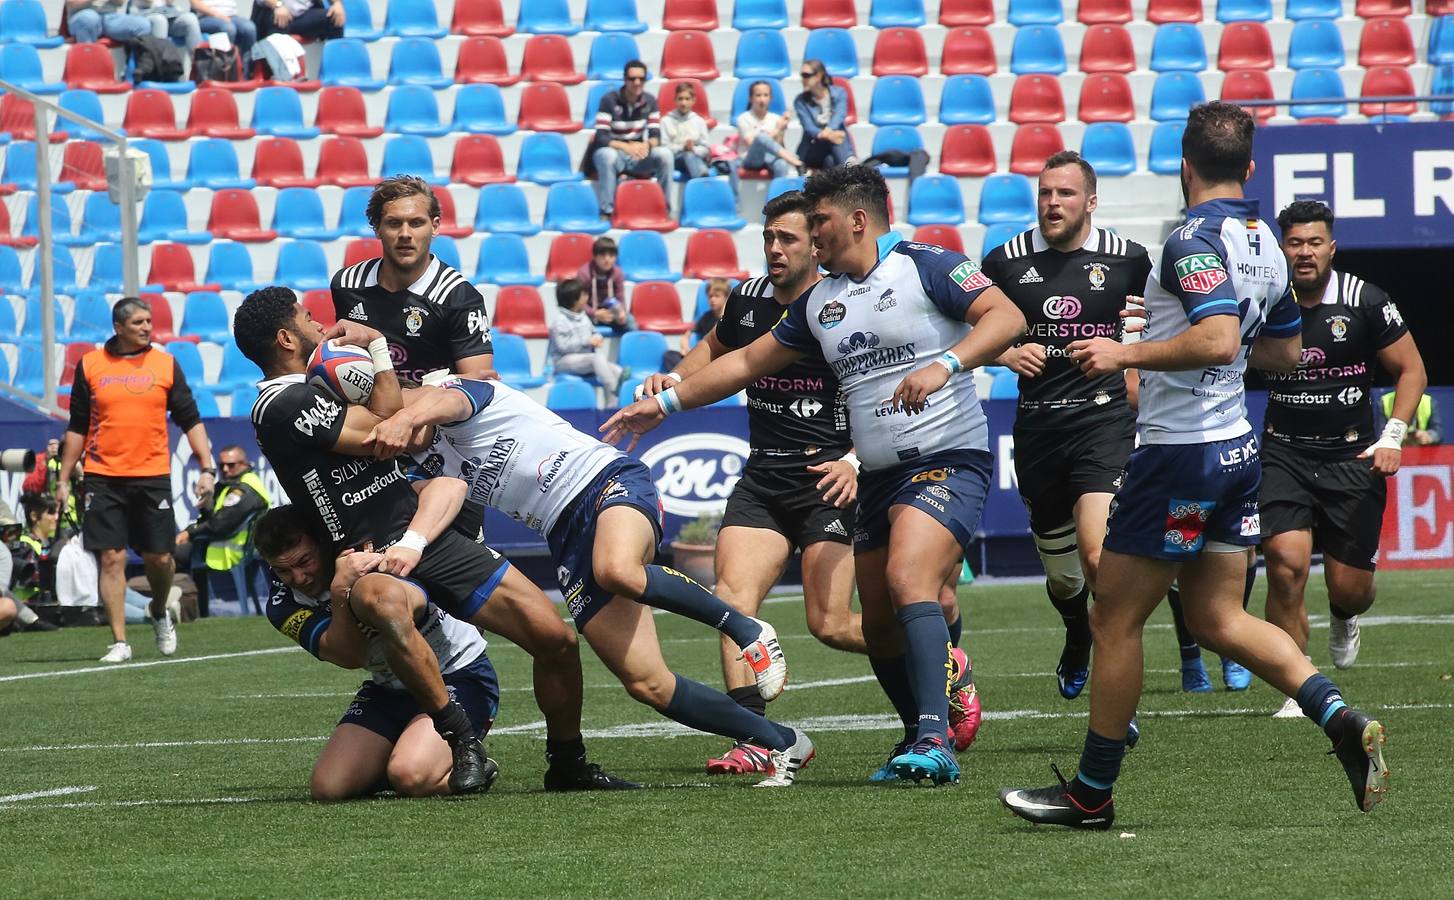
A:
(888, 241)
(1230, 207)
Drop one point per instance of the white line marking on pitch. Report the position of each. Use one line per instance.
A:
(52, 792)
(116, 667)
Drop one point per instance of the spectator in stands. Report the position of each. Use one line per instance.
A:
(318, 19)
(45, 479)
(822, 108)
(172, 19)
(686, 135)
(15, 587)
(605, 286)
(91, 20)
(33, 571)
(628, 138)
(575, 347)
(220, 537)
(221, 15)
(1425, 430)
(760, 134)
(717, 291)
(121, 396)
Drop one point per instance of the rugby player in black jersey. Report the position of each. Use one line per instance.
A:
(1324, 469)
(317, 446)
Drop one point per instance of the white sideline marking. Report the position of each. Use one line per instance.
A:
(115, 667)
(52, 792)
(112, 804)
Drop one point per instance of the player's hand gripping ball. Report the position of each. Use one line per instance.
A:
(343, 370)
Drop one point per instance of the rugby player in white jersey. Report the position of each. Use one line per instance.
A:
(900, 324)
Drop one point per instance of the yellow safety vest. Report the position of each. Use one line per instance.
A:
(1421, 415)
(24, 592)
(224, 554)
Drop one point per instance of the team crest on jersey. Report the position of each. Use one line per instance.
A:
(413, 320)
(1101, 398)
(1200, 273)
(1339, 326)
(832, 313)
(886, 300)
(859, 340)
(1096, 272)
(1186, 521)
(969, 278)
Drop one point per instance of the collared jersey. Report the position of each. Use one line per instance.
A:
(1223, 261)
(120, 402)
(1324, 406)
(873, 332)
(303, 619)
(514, 454)
(1068, 297)
(438, 319)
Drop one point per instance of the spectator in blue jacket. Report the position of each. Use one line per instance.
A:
(821, 109)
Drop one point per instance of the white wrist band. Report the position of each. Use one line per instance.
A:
(951, 362)
(641, 388)
(412, 540)
(1394, 432)
(852, 459)
(379, 351)
(668, 401)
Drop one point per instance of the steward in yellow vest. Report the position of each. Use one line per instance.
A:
(227, 526)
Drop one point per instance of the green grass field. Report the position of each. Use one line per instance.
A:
(189, 778)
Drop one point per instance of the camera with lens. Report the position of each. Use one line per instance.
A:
(17, 460)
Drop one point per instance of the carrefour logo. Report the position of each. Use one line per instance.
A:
(695, 473)
(1061, 308)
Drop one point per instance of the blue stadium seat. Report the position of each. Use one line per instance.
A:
(11, 279)
(480, 109)
(896, 137)
(626, 393)
(572, 206)
(229, 264)
(1038, 50)
(106, 272)
(243, 399)
(408, 154)
(164, 218)
(512, 361)
(20, 64)
(502, 208)
(63, 267)
(212, 163)
(29, 371)
(593, 102)
(1006, 385)
(204, 315)
(504, 259)
(238, 371)
(966, 100)
(1443, 84)
(416, 61)
(100, 220)
(24, 21)
(161, 165)
(572, 393)
(1178, 47)
(278, 112)
(546, 17)
(61, 228)
(641, 351)
(997, 234)
(777, 103)
(613, 15)
(1036, 12)
(359, 23)
(936, 200)
(299, 214)
(1316, 84)
(346, 62)
(20, 169)
(413, 110)
(1174, 94)
(413, 19)
(897, 100)
(446, 251)
(610, 53)
(897, 13)
(1315, 44)
(1108, 147)
(836, 48)
(710, 203)
(32, 328)
(643, 257)
(190, 359)
(749, 14)
(545, 159)
(781, 185)
(86, 103)
(206, 402)
(352, 216)
(1164, 157)
(762, 53)
(302, 266)
(1298, 10)
(90, 318)
(1006, 198)
(1244, 10)
(1441, 41)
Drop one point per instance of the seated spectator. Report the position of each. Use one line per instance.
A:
(221, 16)
(760, 134)
(717, 291)
(15, 614)
(686, 135)
(171, 19)
(575, 347)
(318, 19)
(218, 541)
(822, 108)
(1426, 429)
(91, 20)
(605, 286)
(628, 139)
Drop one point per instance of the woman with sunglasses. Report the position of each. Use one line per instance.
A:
(822, 108)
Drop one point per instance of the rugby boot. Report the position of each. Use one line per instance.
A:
(1074, 669)
(743, 759)
(1194, 678)
(579, 775)
(929, 758)
(786, 764)
(964, 707)
(1054, 805)
(765, 657)
(473, 771)
(1235, 676)
(1359, 748)
(1344, 640)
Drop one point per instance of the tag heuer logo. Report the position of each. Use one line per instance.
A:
(969, 278)
(1031, 277)
(1200, 273)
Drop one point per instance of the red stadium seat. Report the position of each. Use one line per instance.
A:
(162, 327)
(1439, 8)
(568, 252)
(1245, 45)
(1368, 9)
(689, 54)
(666, 98)
(545, 106)
(448, 225)
(946, 236)
(1386, 42)
(690, 15)
(480, 17)
(1107, 48)
(7, 238)
(641, 206)
(967, 152)
(1388, 81)
(1103, 12)
(656, 306)
(482, 60)
(319, 301)
(548, 57)
(344, 162)
(234, 216)
(172, 268)
(712, 253)
(519, 310)
(90, 67)
(478, 160)
(829, 14)
(968, 50)
(341, 110)
(851, 117)
(17, 118)
(1034, 144)
(958, 13)
(1106, 97)
(1036, 98)
(1250, 84)
(1159, 12)
(360, 249)
(278, 162)
(74, 352)
(149, 113)
(1318, 120)
(83, 166)
(214, 114)
(900, 51)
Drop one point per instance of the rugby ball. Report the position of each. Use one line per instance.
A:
(344, 370)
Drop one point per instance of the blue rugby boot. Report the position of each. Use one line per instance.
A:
(929, 758)
(1194, 678)
(1235, 676)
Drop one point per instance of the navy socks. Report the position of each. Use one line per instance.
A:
(695, 705)
(893, 676)
(1100, 766)
(926, 644)
(1320, 700)
(676, 593)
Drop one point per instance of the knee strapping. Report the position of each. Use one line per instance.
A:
(1060, 556)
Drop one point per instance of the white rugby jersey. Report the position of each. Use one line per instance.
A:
(905, 313)
(1223, 261)
(515, 455)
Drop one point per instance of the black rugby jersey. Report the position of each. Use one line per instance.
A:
(1068, 297)
(1324, 406)
(356, 499)
(791, 414)
(438, 319)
